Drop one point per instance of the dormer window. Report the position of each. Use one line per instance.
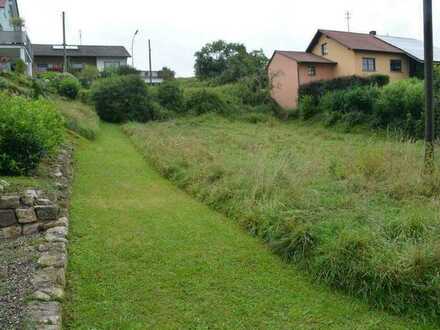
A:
(324, 49)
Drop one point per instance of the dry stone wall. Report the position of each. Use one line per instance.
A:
(35, 211)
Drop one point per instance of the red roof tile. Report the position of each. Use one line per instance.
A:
(302, 57)
(355, 41)
(2, 3)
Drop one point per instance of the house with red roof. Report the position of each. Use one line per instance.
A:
(333, 54)
(14, 41)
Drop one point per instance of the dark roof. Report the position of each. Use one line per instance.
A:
(302, 57)
(83, 51)
(355, 41)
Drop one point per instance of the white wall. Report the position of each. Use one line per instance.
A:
(101, 60)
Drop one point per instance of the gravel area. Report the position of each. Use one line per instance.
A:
(18, 261)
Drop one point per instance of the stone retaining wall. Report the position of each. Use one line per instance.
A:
(34, 211)
(26, 214)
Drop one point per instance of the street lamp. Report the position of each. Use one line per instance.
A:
(132, 48)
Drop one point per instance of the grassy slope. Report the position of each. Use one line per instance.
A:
(144, 255)
(79, 117)
(352, 209)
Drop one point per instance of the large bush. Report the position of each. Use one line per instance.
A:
(170, 96)
(69, 87)
(204, 100)
(29, 131)
(122, 98)
(401, 104)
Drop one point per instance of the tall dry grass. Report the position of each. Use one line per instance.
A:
(353, 210)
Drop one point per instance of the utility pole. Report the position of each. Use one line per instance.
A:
(429, 94)
(80, 37)
(149, 59)
(64, 42)
(348, 18)
(132, 48)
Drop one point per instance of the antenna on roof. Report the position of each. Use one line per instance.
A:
(348, 18)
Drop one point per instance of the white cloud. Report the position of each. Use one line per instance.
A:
(179, 28)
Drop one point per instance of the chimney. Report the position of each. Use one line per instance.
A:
(373, 33)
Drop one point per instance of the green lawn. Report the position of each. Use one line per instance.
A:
(144, 255)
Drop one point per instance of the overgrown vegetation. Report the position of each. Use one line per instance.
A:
(63, 84)
(29, 131)
(122, 98)
(79, 117)
(355, 211)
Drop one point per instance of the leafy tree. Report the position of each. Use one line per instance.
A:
(167, 74)
(228, 62)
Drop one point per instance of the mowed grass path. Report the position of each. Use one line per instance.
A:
(144, 255)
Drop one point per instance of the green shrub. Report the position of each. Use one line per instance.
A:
(122, 98)
(170, 96)
(379, 80)
(39, 88)
(318, 89)
(19, 66)
(29, 131)
(63, 84)
(84, 95)
(161, 113)
(88, 75)
(307, 107)
(401, 105)
(204, 100)
(69, 87)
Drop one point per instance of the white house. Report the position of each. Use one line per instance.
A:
(14, 41)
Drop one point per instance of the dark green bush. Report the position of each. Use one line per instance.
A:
(204, 100)
(401, 105)
(19, 66)
(160, 113)
(307, 107)
(29, 131)
(122, 98)
(318, 89)
(170, 96)
(69, 87)
(379, 80)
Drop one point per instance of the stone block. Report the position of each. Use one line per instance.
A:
(47, 212)
(46, 313)
(30, 229)
(10, 232)
(9, 202)
(7, 218)
(29, 197)
(26, 215)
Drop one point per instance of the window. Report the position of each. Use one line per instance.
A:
(368, 64)
(324, 49)
(42, 67)
(77, 66)
(111, 64)
(396, 65)
(312, 70)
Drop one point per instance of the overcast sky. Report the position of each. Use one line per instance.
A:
(178, 28)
